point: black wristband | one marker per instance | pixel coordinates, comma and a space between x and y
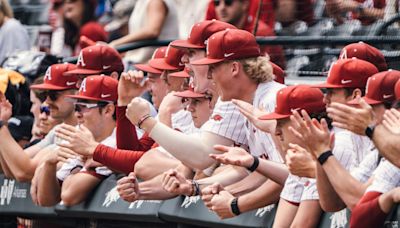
235, 207
324, 156
369, 131
255, 164
196, 188
145, 117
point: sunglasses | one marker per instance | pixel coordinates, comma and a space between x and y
82, 107
45, 109
227, 2
53, 95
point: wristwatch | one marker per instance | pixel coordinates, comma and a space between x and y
369, 131
235, 207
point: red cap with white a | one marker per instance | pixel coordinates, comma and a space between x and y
98, 88
296, 98
230, 44
54, 79
159, 53
365, 52
200, 32
171, 60
97, 59
348, 73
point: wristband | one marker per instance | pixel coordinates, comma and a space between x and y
369, 131
2, 123
255, 164
324, 156
145, 117
235, 207
196, 188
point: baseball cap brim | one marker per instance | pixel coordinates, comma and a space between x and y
189, 94
180, 74
48, 87
161, 64
273, 116
86, 98
206, 61
328, 86
147, 68
185, 44
82, 72
366, 99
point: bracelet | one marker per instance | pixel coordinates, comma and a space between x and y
369, 131
235, 207
255, 164
196, 188
145, 117
324, 156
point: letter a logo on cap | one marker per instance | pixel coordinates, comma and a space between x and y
47, 76
80, 61
83, 86
344, 54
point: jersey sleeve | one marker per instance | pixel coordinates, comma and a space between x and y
386, 178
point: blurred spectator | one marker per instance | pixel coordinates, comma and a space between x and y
236, 12
267, 12
56, 22
118, 26
367, 11
190, 13
20, 128
79, 20
36, 99
151, 19
289, 11
13, 36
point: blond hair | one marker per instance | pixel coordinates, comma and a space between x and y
258, 69
6, 9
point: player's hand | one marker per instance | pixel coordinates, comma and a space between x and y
34, 181
208, 193
5, 108
391, 121
78, 139
221, 204
136, 109
131, 84
128, 188
315, 135
233, 156
171, 104
90, 164
175, 183
252, 114
300, 162
355, 119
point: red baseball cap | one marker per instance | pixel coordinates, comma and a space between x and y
230, 44
158, 54
171, 60
279, 73
98, 88
200, 32
397, 90
365, 52
97, 59
181, 74
190, 94
296, 97
380, 88
54, 80
348, 73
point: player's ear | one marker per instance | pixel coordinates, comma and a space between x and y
235, 68
356, 92
114, 75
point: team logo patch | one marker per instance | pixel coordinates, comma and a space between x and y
217, 117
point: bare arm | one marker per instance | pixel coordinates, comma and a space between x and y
266, 194
387, 144
156, 13
229, 175
48, 187
247, 184
77, 187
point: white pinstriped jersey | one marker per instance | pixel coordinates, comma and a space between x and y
227, 121
261, 143
293, 188
386, 178
182, 121
363, 146
344, 147
367, 167
310, 190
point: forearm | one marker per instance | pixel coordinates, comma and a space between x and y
328, 198
345, 185
182, 146
20, 166
165, 117
153, 190
4, 168
230, 175
48, 187
373, 13
266, 194
143, 34
117, 159
247, 184
277, 172
386, 200
387, 144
